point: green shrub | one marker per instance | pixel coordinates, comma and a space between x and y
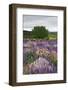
30, 57
53, 58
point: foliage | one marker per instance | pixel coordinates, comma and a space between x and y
40, 32
53, 58
30, 57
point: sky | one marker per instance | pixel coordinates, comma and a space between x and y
50, 22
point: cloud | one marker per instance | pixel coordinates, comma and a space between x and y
50, 22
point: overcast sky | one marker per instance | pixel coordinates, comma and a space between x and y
50, 22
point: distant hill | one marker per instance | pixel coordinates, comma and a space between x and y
55, 33
52, 35
28, 34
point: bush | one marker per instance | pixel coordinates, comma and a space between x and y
53, 58
30, 57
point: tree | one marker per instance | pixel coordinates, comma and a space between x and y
40, 32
